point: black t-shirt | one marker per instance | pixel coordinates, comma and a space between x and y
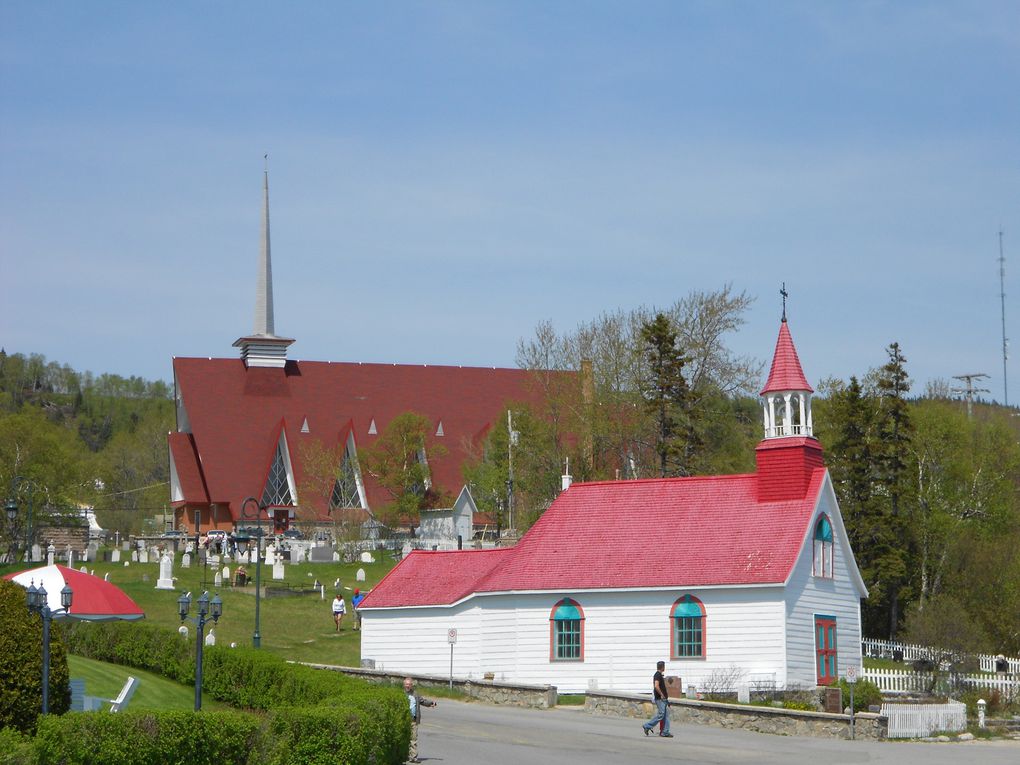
659, 685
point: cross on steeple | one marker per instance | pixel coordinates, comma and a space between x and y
785, 295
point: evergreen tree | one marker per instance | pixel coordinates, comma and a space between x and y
892, 458
667, 397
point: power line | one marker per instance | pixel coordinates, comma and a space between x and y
970, 390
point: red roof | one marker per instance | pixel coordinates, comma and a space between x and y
786, 373
428, 578
672, 532
236, 414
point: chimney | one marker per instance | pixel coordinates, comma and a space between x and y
566, 478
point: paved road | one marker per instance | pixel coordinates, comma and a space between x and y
459, 733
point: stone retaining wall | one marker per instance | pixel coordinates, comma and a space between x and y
787, 722
513, 694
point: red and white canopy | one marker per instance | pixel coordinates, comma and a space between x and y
94, 599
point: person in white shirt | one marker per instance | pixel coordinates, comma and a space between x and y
339, 609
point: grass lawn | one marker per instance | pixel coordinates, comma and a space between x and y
153, 691
299, 628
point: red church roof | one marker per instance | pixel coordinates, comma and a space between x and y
672, 532
786, 373
235, 415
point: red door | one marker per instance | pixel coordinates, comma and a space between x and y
825, 650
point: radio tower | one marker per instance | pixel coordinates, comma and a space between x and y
1002, 298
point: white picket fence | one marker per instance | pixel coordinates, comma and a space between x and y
897, 681
886, 649
919, 720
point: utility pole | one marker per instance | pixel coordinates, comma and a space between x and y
1002, 299
969, 391
512, 437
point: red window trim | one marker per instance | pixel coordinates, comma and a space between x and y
552, 631
672, 630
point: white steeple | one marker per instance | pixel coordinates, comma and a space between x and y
263, 348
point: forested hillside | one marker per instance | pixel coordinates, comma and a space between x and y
83, 440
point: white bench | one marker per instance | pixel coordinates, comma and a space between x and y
94, 703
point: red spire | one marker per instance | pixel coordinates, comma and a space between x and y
786, 373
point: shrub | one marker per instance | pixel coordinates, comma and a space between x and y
866, 694
143, 738
21, 663
16, 748
133, 644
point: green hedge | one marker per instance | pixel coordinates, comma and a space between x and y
317, 715
144, 738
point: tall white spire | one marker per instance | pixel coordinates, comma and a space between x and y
264, 288
263, 348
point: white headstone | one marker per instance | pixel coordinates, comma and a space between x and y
115, 556
360, 576
226, 573
36, 553
127, 563
186, 560
166, 573
367, 557
93, 551
125, 545
134, 556
154, 556
183, 631
253, 557
70, 558
278, 568
51, 552
84, 569
336, 557
210, 639
218, 580
270, 552
106, 577
214, 560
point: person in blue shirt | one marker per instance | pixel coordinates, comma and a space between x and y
355, 602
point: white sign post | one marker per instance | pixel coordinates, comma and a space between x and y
851, 679
451, 638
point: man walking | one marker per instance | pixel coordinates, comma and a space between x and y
661, 702
416, 702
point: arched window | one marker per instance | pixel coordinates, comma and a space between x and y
823, 548
566, 631
687, 625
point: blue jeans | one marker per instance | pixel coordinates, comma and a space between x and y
661, 713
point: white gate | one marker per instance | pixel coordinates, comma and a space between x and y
919, 720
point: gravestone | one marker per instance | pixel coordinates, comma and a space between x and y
70, 558
218, 580
115, 556
183, 631
51, 553
297, 554
84, 569
125, 545
321, 555
367, 557
360, 576
134, 556
93, 551
278, 568
186, 560
36, 553
154, 556
336, 557
106, 577
253, 557
210, 639
166, 573
226, 574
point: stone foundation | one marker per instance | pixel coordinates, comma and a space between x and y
785, 722
512, 694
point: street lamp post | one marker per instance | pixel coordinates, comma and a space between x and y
205, 608
12, 509
37, 604
260, 509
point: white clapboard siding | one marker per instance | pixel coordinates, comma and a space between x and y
808, 596
919, 720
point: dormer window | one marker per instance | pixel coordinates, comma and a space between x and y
823, 547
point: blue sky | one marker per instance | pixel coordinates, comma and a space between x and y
445, 175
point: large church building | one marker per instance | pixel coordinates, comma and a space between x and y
247, 425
